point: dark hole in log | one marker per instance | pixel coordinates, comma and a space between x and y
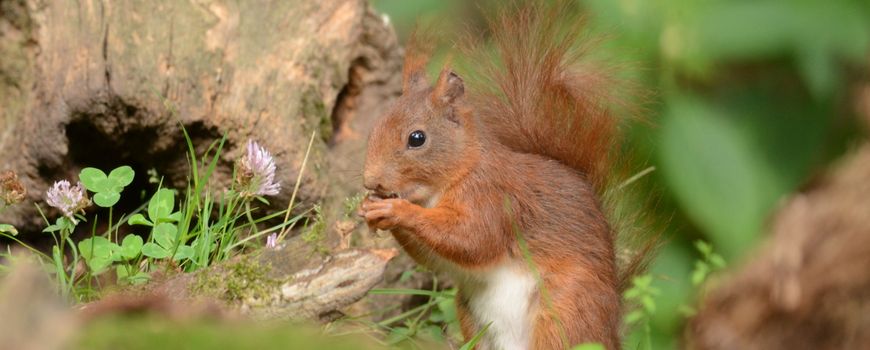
109, 135
346, 101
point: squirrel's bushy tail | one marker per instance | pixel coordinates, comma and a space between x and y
545, 92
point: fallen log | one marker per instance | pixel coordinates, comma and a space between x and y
293, 281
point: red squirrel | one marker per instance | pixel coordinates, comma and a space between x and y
499, 186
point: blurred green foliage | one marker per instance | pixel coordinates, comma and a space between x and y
158, 332
750, 100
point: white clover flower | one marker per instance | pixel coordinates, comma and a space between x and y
69, 199
272, 240
256, 172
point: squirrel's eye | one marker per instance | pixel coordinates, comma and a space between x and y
416, 139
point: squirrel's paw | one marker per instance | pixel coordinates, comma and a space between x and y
386, 214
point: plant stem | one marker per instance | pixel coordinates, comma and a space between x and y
34, 250
296, 187
250, 218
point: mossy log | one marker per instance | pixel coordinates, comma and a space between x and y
294, 281
108, 83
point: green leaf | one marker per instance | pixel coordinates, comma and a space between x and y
152, 250
634, 316
649, 304
717, 261
476, 339
699, 273
124, 276
94, 179
139, 278
164, 234
99, 265
106, 199
122, 176
183, 252
138, 219
434, 331
97, 252
121, 272
398, 334
642, 281
131, 246
703, 247
8, 229
161, 204
52, 228
94, 246
115, 252
436, 316
65, 223
716, 173
448, 309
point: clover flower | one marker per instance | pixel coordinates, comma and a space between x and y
11, 189
69, 199
256, 172
272, 240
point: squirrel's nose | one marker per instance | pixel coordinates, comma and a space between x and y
372, 184
370, 180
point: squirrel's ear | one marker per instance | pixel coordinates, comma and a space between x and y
449, 88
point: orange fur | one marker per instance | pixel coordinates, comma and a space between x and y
516, 162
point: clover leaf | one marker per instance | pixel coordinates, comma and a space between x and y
106, 199
131, 246
160, 209
107, 188
123, 274
99, 253
164, 236
139, 219
161, 205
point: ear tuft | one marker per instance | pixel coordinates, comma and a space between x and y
449, 88
412, 81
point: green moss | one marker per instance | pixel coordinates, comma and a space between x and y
246, 279
315, 233
351, 204
314, 109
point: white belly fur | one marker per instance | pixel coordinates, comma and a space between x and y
501, 297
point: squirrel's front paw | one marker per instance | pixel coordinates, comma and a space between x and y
386, 214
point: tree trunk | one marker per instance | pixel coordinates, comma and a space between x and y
108, 83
